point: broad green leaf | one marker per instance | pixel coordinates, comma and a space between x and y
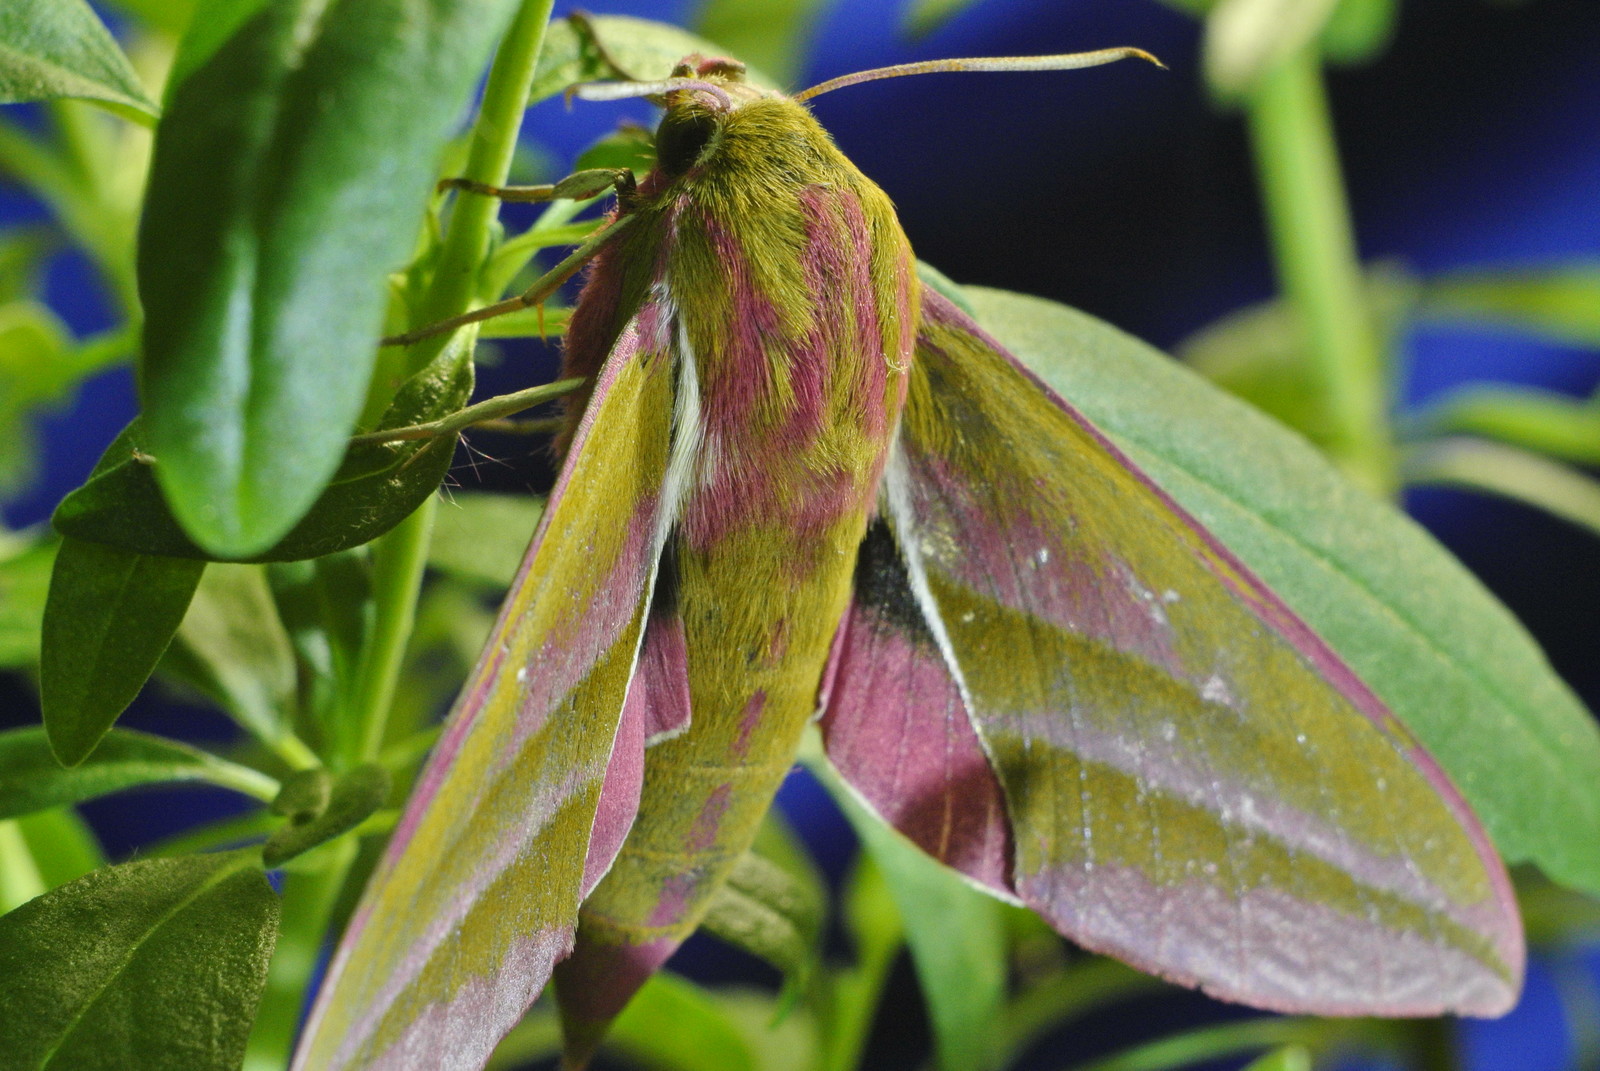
288, 178
42, 850
773, 35
1542, 421
377, 486
1509, 472
155, 965
24, 583
60, 48
212, 23
481, 537
1452, 663
629, 48
233, 648
773, 906
1560, 302
31, 779
956, 935
353, 799
108, 617
925, 16
1247, 38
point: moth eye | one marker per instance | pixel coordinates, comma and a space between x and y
681, 138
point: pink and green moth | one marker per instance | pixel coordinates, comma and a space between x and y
803, 484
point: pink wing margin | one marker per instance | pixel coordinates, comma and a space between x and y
1056, 681
535, 781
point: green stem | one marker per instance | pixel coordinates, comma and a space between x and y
1318, 270
398, 559
454, 288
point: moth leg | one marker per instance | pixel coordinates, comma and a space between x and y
540, 292
578, 186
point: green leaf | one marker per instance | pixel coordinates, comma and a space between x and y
232, 647
1542, 421
1359, 30
377, 486
673, 1025
353, 799
1288, 1058
169, 15
773, 35
956, 935
481, 537
773, 906
156, 965
209, 27
42, 850
1508, 472
34, 369
1449, 659
31, 779
628, 48
108, 617
1560, 302
1247, 38
59, 48
289, 177
924, 16
24, 584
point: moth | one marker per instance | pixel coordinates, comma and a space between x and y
802, 484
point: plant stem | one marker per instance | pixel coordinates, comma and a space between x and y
1318, 270
454, 288
397, 563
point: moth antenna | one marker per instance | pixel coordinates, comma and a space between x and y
1069, 61
628, 90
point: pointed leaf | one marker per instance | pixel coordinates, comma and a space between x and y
288, 178
60, 48
355, 797
156, 965
1545, 422
31, 779
1443, 654
109, 616
674, 1025
639, 48
1561, 302
1496, 469
233, 648
377, 485
773, 906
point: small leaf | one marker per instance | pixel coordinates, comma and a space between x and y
31, 779
59, 48
1560, 302
1508, 472
376, 487
169, 15
24, 585
1288, 1058
773, 35
1448, 659
354, 798
1247, 38
639, 48
289, 178
482, 537
772, 910
108, 617
1542, 421
304, 795
233, 648
956, 935
156, 965
34, 369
